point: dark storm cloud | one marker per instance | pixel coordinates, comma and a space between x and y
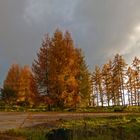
15, 35
23, 24
108, 27
100, 27
10, 21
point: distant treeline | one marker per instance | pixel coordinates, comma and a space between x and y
116, 83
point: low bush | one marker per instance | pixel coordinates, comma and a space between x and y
132, 109
60, 134
119, 108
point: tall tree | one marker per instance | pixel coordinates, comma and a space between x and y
136, 68
131, 86
40, 67
107, 81
97, 84
11, 83
58, 68
12, 78
85, 83
118, 71
27, 93
34, 96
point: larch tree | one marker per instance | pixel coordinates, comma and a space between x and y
97, 84
11, 83
12, 78
130, 86
34, 96
27, 93
69, 73
118, 72
85, 82
107, 81
56, 66
136, 68
40, 67
56, 71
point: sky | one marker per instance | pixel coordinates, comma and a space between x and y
101, 28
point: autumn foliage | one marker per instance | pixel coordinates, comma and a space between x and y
60, 78
19, 86
116, 83
58, 71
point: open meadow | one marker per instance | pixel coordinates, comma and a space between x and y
69, 126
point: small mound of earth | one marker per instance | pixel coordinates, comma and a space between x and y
133, 120
49, 124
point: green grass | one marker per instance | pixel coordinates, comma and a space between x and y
97, 128
28, 133
44, 108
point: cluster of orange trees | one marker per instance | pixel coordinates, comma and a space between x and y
19, 86
59, 77
117, 83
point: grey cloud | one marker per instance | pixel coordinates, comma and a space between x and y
106, 27
23, 24
100, 27
49, 12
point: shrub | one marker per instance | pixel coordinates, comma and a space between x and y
119, 109
132, 109
59, 134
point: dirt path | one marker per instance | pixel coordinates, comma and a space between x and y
9, 120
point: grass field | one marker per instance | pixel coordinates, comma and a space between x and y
124, 127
